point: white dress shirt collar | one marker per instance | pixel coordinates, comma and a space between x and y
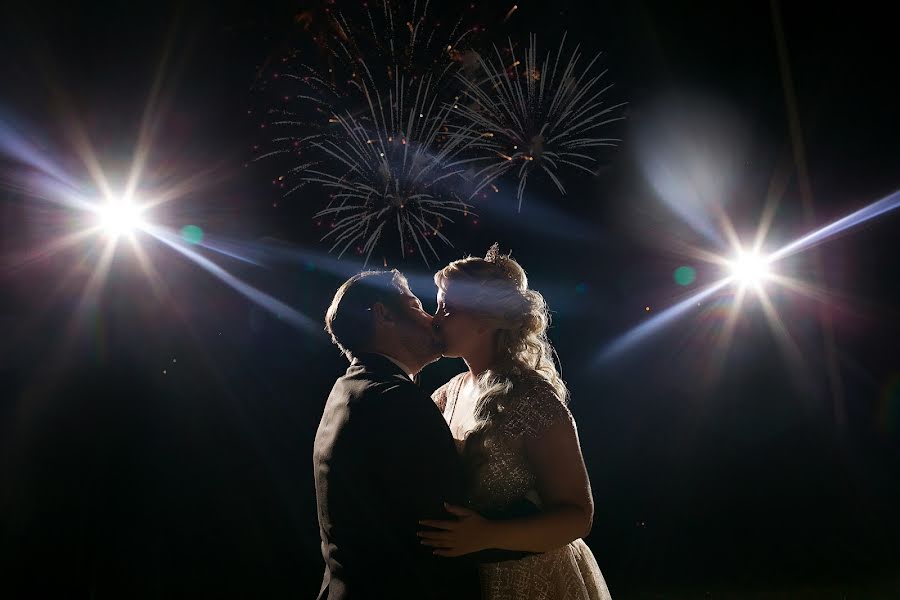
406, 369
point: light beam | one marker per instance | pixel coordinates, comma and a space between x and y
274, 306
664, 318
818, 236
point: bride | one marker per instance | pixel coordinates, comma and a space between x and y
516, 436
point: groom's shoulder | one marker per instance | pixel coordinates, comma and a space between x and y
396, 392
364, 390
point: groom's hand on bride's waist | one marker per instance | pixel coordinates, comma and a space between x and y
468, 534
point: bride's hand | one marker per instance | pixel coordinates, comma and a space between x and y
469, 533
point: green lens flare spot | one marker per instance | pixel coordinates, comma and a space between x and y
192, 234
685, 275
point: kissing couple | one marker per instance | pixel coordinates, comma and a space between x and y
479, 491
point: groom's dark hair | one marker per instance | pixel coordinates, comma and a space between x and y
350, 321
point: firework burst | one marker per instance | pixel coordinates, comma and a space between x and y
394, 166
373, 131
535, 115
393, 43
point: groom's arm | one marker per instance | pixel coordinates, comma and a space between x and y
425, 470
439, 476
416, 474
420, 459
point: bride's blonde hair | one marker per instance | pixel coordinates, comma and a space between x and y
495, 288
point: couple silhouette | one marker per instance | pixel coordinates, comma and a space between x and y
480, 490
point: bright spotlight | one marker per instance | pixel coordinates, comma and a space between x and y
749, 268
119, 217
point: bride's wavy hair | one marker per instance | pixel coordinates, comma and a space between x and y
495, 288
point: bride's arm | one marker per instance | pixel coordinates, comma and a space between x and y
565, 491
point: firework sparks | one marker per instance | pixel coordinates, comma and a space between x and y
541, 116
378, 140
391, 169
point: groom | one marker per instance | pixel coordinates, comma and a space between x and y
384, 457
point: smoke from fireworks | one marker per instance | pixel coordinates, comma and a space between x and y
535, 116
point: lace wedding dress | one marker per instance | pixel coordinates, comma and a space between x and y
566, 573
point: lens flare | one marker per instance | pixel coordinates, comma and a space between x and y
685, 275
120, 217
750, 268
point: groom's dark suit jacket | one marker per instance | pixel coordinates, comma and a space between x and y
383, 459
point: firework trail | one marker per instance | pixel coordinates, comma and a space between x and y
536, 116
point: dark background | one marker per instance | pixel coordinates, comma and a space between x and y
156, 441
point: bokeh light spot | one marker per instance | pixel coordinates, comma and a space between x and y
685, 275
192, 234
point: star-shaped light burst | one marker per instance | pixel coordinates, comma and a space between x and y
121, 216
750, 269
98, 217
692, 157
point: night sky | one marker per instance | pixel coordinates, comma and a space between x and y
156, 437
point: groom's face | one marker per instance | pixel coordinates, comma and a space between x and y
415, 330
